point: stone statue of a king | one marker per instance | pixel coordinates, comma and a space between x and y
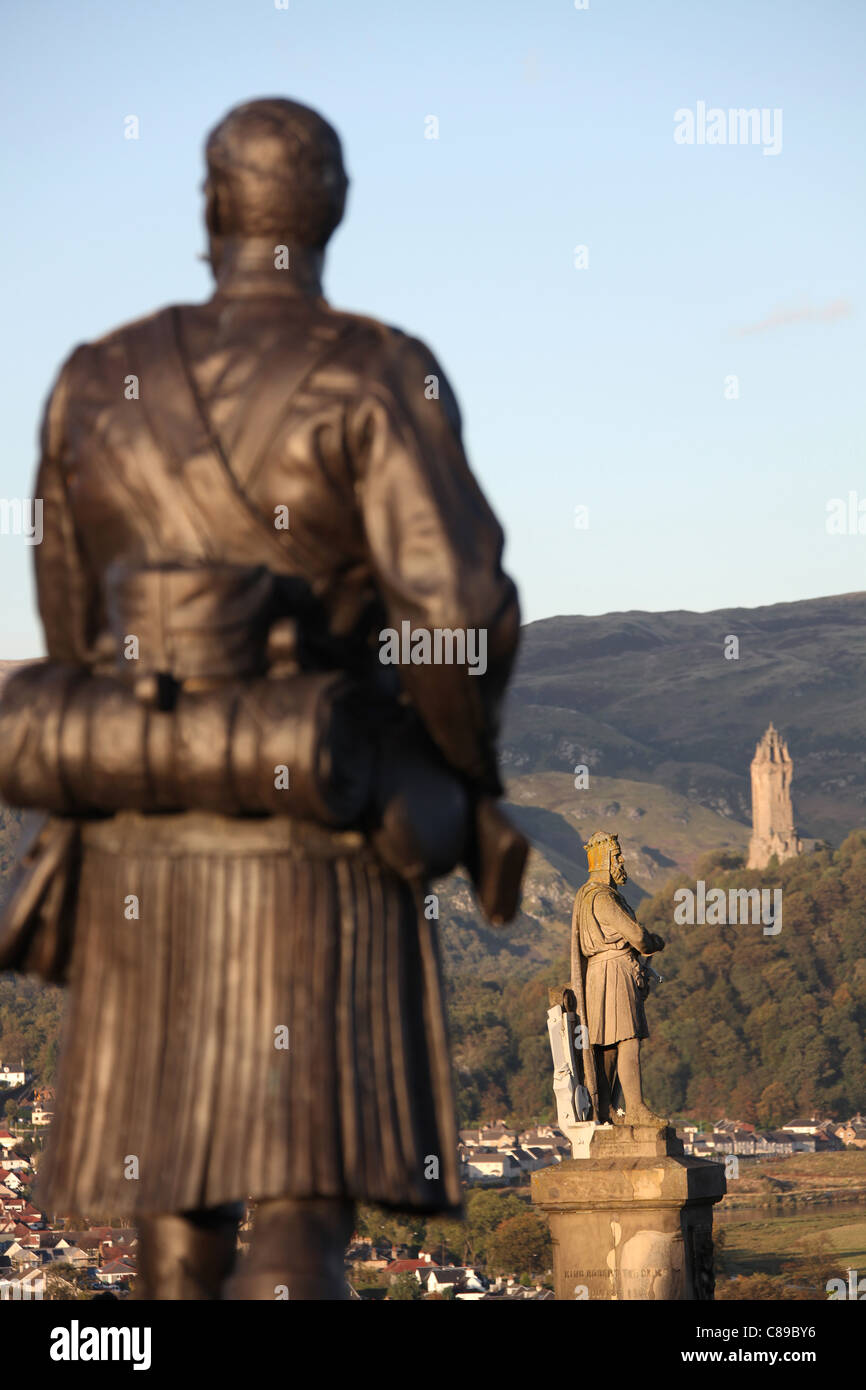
610, 983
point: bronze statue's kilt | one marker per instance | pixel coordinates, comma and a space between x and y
174, 1092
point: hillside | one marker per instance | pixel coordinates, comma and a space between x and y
649, 697
660, 831
761, 1026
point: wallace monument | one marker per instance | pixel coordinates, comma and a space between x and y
772, 813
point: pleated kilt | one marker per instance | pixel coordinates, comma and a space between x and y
614, 1004
255, 1009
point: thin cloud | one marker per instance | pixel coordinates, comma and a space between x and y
809, 313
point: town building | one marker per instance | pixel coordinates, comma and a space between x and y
11, 1075
852, 1133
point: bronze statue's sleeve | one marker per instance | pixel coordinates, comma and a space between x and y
62, 589
436, 547
614, 921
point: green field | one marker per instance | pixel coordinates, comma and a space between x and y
789, 1255
765, 1246
788, 1225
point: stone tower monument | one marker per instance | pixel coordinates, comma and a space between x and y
772, 813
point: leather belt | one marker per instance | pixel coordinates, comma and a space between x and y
203, 832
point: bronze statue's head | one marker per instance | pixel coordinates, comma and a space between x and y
603, 855
275, 169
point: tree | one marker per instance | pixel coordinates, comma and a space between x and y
744, 1100
775, 1105
399, 1228
65, 1282
445, 1239
14, 1041
484, 1212
405, 1287
521, 1244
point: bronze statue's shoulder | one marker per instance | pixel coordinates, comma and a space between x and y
81, 362
365, 332
390, 360
135, 327
394, 344
95, 355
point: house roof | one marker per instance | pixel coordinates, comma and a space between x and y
446, 1274
113, 1252
121, 1266
95, 1236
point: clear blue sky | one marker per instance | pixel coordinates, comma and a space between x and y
601, 387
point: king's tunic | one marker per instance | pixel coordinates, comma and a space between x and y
614, 982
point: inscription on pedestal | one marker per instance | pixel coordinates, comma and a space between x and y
631, 1221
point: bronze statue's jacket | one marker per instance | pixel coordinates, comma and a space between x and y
367, 461
255, 1001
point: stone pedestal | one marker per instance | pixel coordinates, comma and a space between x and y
634, 1219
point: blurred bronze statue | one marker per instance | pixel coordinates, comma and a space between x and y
238, 802
610, 984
